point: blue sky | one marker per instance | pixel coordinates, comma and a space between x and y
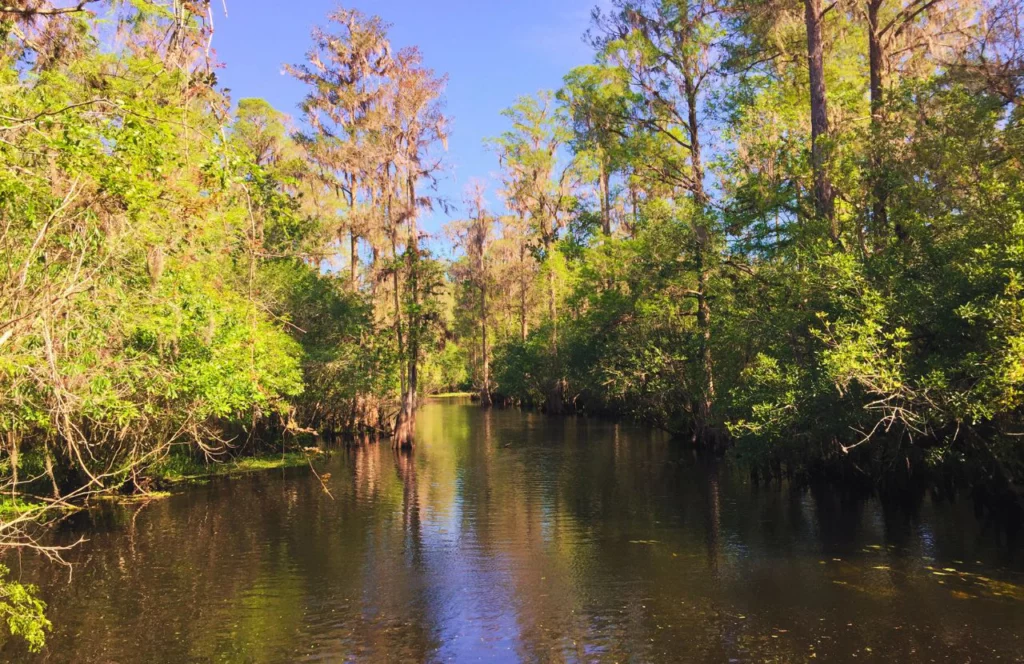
492, 51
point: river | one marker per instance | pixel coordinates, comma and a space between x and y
512, 536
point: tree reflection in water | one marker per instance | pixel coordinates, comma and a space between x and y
514, 536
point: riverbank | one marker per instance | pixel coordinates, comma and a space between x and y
182, 469
888, 467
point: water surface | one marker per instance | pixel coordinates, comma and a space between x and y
512, 536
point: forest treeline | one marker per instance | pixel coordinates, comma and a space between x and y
792, 229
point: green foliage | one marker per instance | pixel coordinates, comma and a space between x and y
447, 370
524, 370
165, 279
883, 341
180, 466
22, 611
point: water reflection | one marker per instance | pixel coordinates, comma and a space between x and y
510, 536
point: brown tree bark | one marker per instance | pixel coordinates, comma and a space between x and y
556, 395
606, 204
354, 263
406, 423
704, 248
824, 197
879, 213
482, 225
485, 390
524, 286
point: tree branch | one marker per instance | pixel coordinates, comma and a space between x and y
27, 12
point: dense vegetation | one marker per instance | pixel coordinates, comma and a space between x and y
790, 229
170, 289
786, 228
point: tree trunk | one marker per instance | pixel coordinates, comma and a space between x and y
373, 274
402, 430
555, 399
48, 461
354, 263
406, 424
824, 197
482, 228
636, 211
552, 293
707, 365
12, 451
523, 288
878, 211
876, 60
353, 237
603, 185
485, 390
704, 248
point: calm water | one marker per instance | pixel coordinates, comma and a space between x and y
516, 537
